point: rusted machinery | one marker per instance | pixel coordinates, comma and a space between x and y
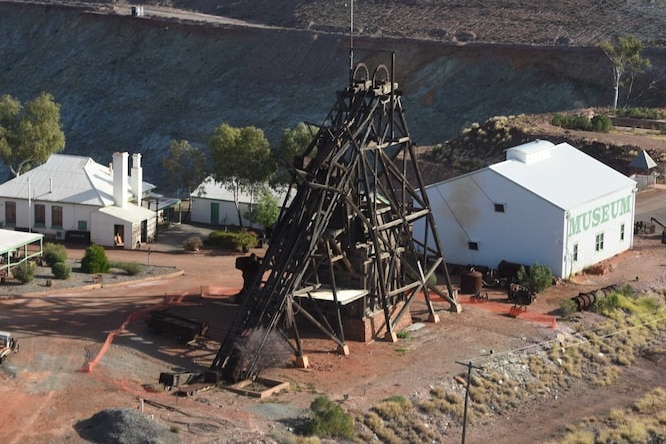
586, 300
520, 295
345, 245
177, 327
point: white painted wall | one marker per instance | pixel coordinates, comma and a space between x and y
71, 215
530, 229
611, 215
103, 232
228, 215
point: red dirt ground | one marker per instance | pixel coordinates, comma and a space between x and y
45, 392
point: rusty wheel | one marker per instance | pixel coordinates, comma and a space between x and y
361, 73
380, 76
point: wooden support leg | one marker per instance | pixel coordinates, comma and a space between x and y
302, 362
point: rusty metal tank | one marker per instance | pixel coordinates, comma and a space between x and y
471, 282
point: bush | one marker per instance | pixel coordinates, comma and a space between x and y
193, 243
52, 253
537, 279
61, 270
568, 307
641, 113
24, 272
131, 268
329, 420
601, 124
234, 240
266, 211
245, 240
222, 239
95, 260
598, 123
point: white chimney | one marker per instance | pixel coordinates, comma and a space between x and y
136, 178
120, 192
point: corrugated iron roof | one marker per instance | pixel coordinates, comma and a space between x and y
210, 189
560, 174
65, 178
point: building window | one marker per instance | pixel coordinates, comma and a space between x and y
599, 242
473, 245
622, 232
83, 225
56, 217
10, 213
40, 215
575, 252
499, 208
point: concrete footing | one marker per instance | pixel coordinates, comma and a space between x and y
343, 350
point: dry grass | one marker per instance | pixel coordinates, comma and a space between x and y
644, 422
596, 356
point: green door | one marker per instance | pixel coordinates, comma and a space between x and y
214, 213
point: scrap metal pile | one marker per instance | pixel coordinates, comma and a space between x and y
346, 240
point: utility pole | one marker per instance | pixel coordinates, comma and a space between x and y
29, 212
469, 377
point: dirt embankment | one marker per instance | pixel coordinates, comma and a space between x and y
136, 83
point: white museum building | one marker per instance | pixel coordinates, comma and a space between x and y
547, 204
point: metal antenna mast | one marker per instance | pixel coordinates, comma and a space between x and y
351, 44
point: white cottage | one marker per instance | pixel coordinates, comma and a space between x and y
213, 203
73, 197
547, 204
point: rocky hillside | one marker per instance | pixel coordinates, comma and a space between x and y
135, 83
558, 22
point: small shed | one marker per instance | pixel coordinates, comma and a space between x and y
644, 170
127, 228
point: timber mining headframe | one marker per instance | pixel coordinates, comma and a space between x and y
344, 256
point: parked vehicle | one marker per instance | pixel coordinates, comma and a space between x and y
8, 345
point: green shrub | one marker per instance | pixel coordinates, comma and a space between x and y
234, 240
559, 120
61, 270
95, 260
222, 239
605, 304
52, 253
24, 272
641, 113
329, 420
537, 279
568, 307
598, 123
131, 268
245, 240
601, 124
193, 243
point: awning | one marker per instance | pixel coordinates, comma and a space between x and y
130, 213
11, 240
157, 203
18, 242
